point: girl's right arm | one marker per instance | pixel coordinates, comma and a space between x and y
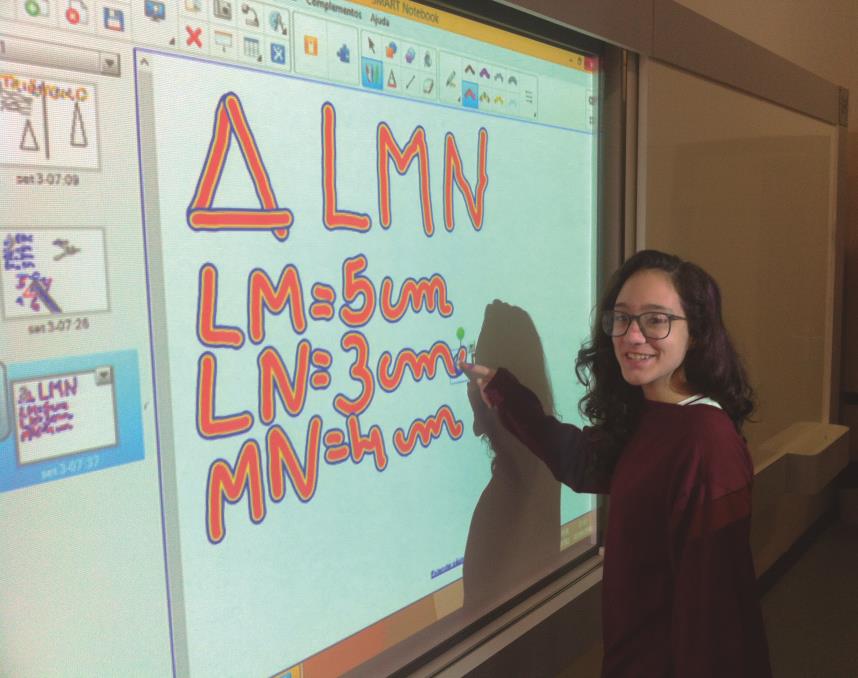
568, 451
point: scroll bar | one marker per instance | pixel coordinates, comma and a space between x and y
5, 405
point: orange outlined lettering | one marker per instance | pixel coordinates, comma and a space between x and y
262, 293
208, 425
360, 372
474, 200
371, 443
230, 121
228, 483
273, 374
321, 360
208, 332
355, 284
427, 430
303, 477
428, 293
336, 451
387, 150
422, 364
322, 307
335, 218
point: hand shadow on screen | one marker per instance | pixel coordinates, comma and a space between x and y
515, 529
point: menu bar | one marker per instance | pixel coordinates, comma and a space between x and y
337, 42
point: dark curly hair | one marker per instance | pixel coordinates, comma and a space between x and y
712, 366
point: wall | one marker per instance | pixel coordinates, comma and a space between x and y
821, 37
744, 188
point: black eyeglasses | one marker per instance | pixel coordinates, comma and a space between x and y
652, 324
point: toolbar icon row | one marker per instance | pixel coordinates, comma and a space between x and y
246, 47
99, 16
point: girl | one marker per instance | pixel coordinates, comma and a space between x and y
666, 396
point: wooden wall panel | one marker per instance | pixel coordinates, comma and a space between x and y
744, 187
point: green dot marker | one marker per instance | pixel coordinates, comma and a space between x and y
32, 8
460, 333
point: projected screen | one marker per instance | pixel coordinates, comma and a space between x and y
245, 245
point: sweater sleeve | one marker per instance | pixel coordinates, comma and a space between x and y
717, 627
568, 451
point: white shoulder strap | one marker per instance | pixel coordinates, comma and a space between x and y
700, 400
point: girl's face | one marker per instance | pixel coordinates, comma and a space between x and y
653, 364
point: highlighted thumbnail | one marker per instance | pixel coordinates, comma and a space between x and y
65, 417
53, 272
64, 414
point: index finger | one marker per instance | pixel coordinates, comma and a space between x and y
475, 371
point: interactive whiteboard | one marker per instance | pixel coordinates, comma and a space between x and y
287, 224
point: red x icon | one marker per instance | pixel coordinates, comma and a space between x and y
194, 36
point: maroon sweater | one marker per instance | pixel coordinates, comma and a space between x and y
679, 597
